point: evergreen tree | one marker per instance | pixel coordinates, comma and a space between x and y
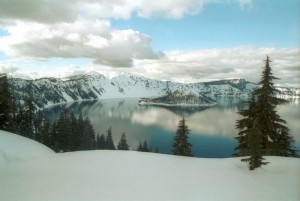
145, 147
157, 150
244, 125
101, 144
64, 131
53, 141
181, 145
122, 145
5, 103
109, 143
28, 117
75, 135
88, 137
79, 132
37, 126
140, 148
275, 138
254, 148
46, 132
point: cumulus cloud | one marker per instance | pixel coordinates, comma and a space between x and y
42, 11
215, 64
13, 71
199, 66
8, 69
81, 39
81, 28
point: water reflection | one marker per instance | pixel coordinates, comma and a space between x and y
213, 121
212, 129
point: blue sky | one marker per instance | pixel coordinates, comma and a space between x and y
267, 23
178, 40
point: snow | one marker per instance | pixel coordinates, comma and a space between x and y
67, 97
129, 175
96, 86
15, 148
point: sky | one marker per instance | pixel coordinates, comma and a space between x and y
176, 40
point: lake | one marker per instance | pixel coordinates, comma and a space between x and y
212, 129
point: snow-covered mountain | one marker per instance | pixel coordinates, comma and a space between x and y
48, 91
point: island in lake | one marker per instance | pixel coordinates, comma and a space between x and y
179, 99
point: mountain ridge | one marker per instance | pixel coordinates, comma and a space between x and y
91, 86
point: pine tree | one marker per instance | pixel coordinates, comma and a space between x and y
28, 119
79, 132
41, 127
5, 103
101, 144
64, 130
276, 140
122, 145
140, 148
18, 120
53, 138
181, 145
254, 149
244, 125
88, 137
157, 150
74, 137
46, 133
145, 147
109, 141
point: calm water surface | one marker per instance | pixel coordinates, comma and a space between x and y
212, 129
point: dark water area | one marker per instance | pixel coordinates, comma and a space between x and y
212, 129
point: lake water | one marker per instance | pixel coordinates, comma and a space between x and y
212, 129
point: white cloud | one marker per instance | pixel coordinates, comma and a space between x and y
215, 64
83, 38
80, 28
55, 11
196, 66
8, 69
245, 4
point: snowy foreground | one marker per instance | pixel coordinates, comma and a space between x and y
30, 171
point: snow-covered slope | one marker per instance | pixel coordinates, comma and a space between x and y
14, 148
48, 91
179, 98
135, 176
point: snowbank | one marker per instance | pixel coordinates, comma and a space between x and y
15, 148
135, 176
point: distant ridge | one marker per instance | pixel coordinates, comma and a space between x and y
91, 86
